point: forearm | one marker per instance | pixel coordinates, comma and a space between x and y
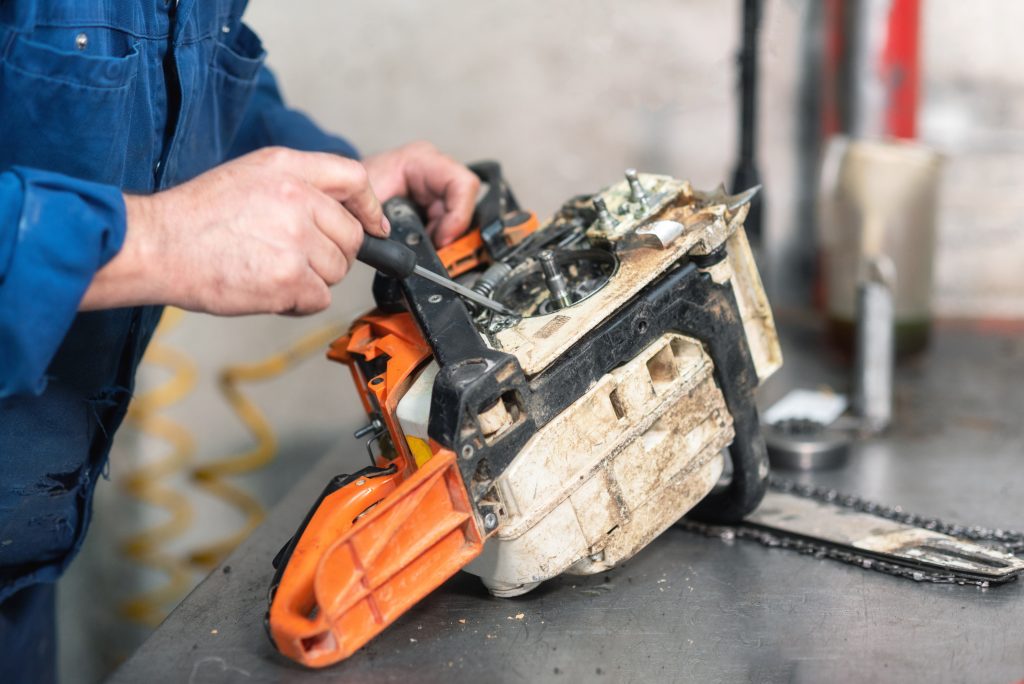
269, 232
134, 276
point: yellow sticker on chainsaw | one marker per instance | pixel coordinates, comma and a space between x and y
420, 450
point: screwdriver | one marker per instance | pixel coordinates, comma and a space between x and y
398, 261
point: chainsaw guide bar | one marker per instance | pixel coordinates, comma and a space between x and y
823, 523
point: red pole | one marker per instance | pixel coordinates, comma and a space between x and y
899, 68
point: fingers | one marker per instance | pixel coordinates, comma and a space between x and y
435, 212
313, 297
459, 200
325, 258
433, 177
338, 237
295, 288
343, 179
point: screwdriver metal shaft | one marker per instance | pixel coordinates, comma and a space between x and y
398, 261
463, 291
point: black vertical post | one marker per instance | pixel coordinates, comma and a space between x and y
746, 175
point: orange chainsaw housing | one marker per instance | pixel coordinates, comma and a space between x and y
378, 544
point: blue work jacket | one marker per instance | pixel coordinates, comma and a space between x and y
99, 97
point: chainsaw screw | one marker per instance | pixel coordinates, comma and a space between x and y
637, 193
555, 280
377, 380
468, 451
374, 426
360, 482
435, 299
412, 239
604, 216
490, 521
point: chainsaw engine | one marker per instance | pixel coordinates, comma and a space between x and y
563, 439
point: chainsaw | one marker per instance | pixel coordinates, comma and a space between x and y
590, 382
560, 435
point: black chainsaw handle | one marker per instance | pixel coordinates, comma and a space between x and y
749, 481
407, 232
498, 199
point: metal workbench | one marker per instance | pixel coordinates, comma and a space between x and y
689, 608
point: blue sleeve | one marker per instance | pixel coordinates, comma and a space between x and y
55, 233
268, 121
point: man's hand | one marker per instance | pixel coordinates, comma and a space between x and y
445, 188
266, 233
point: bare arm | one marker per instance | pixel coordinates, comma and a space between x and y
269, 232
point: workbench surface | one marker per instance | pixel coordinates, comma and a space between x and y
689, 608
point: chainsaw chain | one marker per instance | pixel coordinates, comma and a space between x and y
1009, 541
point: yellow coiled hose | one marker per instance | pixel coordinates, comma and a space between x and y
211, 476
148, 484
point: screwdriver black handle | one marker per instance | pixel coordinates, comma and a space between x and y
387, 256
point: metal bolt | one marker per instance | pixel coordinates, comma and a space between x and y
603, 215
412, 239
490, 521
374, 426
81, 41
435, 299
468, 451
360, 482
637, 193
555, 280
377, 380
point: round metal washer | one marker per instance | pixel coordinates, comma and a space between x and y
800, 444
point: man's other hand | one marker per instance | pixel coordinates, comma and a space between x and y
444, 188
269, 232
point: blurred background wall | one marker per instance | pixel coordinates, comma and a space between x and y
566, 95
